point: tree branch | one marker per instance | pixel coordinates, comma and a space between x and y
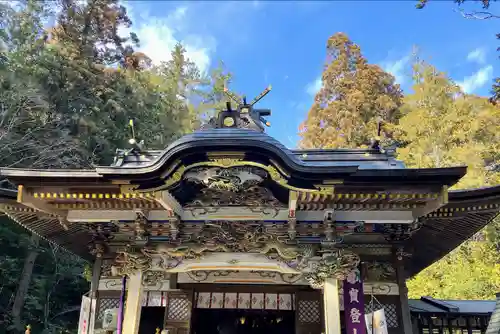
477, 15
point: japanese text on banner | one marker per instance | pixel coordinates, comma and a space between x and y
354, 303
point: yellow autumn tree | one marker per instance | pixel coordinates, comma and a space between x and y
354, 96
444, 127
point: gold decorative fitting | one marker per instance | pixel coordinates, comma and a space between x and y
93, 195
175, 177
226, 162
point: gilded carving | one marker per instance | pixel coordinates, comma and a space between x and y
335, 264
128, 262
235, 237
175, 177
234, 186
228, 163
231, 179
153, 277
380, 272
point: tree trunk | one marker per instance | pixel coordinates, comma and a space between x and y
24, 283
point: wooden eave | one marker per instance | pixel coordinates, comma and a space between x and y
467, 212
74, 238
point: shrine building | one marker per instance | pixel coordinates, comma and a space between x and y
228, 228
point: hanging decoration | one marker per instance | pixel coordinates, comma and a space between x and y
354, 304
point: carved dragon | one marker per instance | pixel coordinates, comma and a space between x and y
336, 264
128, 262
229, 186
234, 237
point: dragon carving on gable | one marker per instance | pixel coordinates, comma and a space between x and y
232, 186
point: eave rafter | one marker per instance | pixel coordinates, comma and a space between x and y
27, 199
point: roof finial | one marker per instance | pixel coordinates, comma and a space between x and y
244, 117
375, 142
136, 146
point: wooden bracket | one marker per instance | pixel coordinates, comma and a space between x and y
169, 203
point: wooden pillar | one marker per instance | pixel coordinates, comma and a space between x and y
94, 284
172, 281
331, 303
403, 299
469, 325
449, 321
133, 304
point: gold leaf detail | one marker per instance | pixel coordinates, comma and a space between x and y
226, 162
175, 177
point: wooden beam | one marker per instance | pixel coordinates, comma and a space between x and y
169, 203
432, 206
244, 214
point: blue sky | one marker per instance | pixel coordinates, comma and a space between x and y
283, 44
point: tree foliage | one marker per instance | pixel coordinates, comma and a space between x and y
67, 93
443, 127
433, 125
354, 97
472, 271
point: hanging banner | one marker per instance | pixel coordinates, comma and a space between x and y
354, 303
83, 324
376, 323
93, 311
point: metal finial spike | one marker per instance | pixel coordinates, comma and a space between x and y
231, 96
244, 100
261, 95
131, 124
379, 126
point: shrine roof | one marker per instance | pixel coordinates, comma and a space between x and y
353, 166
494, 325
431, 305
465, 214
240, 138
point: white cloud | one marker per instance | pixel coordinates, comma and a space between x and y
159, 35
314, 87
396, 68
478, 55
477, 80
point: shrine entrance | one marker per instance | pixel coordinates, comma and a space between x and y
234, 321
152, 317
